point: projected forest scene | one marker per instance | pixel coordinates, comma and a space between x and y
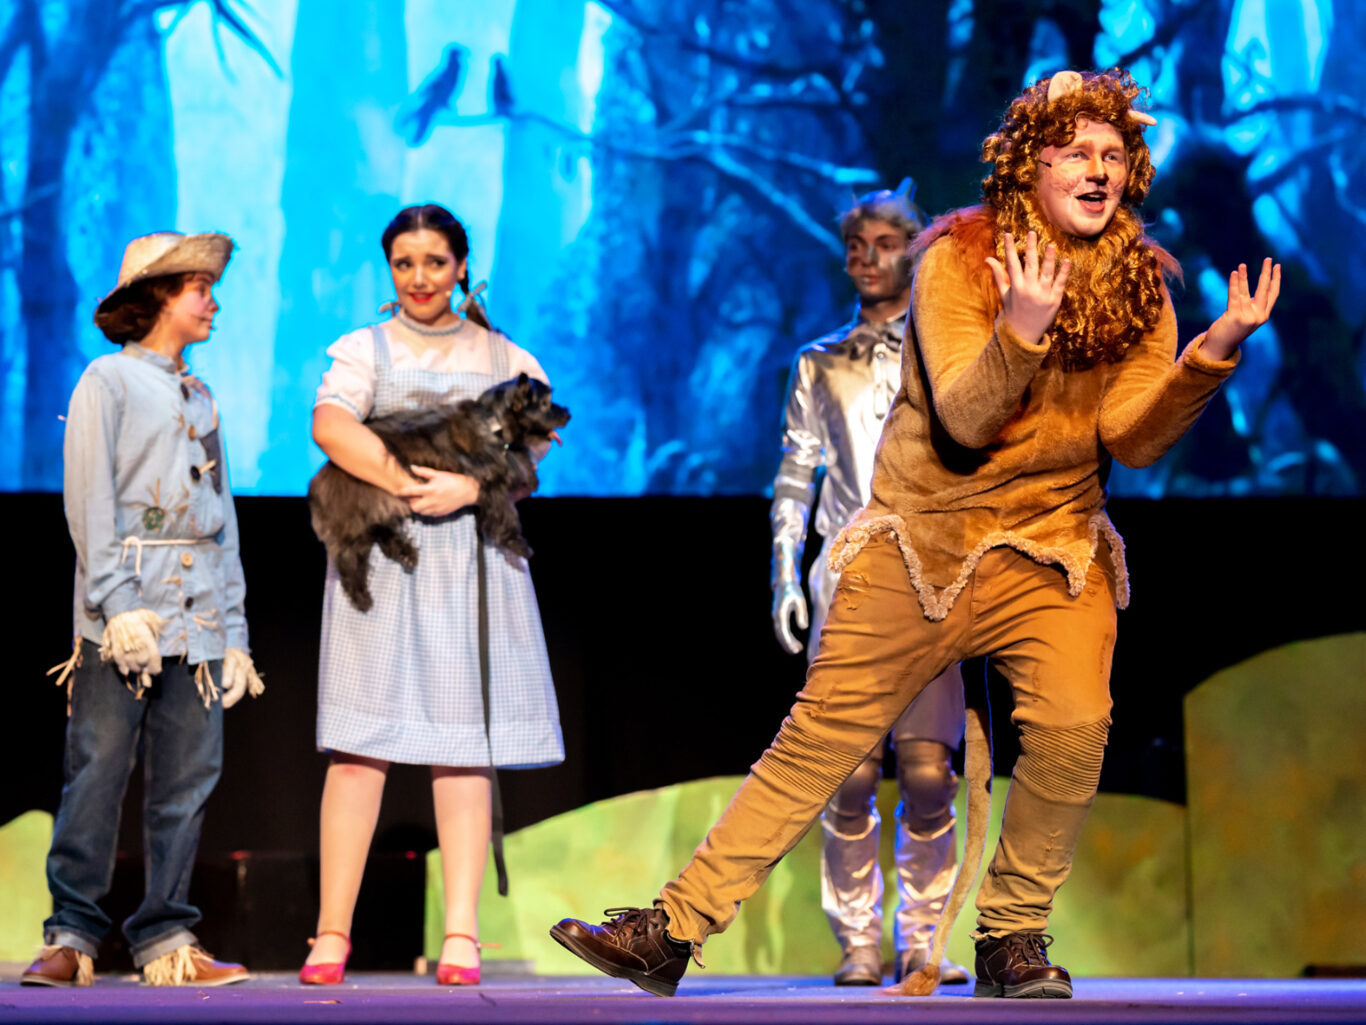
651, 191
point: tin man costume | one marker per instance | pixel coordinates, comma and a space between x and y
839, 393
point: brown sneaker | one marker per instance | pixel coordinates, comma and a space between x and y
192, 966
634, 946
1017, 965
860, 966
59, 966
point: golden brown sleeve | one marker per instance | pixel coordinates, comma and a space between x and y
978, 368
1151, 401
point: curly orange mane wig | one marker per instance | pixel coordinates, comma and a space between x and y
1033, 122
1116, 291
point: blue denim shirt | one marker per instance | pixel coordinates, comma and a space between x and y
148, 505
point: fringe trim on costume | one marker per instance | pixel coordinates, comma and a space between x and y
851, 540
1100, 525
173, 969
203, 681
85, 964
68, 670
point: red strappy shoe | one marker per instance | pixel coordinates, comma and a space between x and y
332, 973
459, 975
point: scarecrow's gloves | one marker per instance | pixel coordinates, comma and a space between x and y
130, 642
787, 595
239, 677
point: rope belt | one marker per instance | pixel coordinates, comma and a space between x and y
141, 542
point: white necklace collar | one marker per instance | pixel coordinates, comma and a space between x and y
431, 332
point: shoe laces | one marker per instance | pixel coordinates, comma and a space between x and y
627, 922
1031, 946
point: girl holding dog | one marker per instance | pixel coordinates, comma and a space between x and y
402, 682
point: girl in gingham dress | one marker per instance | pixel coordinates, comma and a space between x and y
401, 682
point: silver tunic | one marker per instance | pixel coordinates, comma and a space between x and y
841, 388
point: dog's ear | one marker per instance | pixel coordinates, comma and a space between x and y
521, 392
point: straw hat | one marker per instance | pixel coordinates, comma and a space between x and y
169, 252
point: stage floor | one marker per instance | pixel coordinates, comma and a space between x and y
743, 1000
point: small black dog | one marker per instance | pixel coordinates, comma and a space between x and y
486, 438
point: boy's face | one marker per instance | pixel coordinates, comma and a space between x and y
189, 316
876, 259
1080, 184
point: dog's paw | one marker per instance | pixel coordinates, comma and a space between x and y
401, 551
360, 598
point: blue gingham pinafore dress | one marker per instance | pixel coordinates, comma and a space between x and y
401, 682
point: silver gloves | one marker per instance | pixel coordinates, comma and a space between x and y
788, 598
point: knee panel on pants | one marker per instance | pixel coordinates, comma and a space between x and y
1062, 764
928, 784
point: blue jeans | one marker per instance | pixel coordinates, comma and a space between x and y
182, 749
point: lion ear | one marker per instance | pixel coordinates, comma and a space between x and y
1062, 83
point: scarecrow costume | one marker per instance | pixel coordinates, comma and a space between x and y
160, 637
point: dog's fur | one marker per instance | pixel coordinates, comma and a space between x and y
487, 438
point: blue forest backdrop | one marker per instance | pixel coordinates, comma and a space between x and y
651, 190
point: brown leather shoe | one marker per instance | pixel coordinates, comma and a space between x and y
192, 966
208, 972
860, 966
1017, 965
59, 966
634, 946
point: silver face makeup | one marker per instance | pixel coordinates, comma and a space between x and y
876, 260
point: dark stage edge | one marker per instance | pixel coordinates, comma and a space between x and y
741, 1000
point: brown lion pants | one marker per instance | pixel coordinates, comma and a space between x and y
877, 652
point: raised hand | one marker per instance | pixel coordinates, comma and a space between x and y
1032, 293
1245, 313
439, 492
